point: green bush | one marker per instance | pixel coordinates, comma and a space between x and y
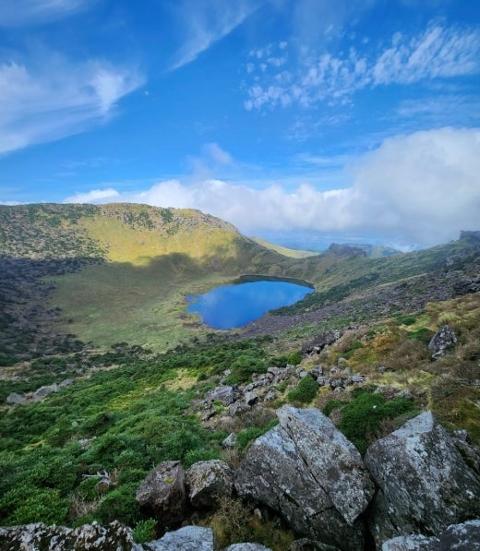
363, 416
406, 319
305, 391
144, 530
28, 504
331, 405
244, 367
421, 334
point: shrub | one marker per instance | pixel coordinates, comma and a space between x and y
244, 367
405, 319
305, 391
363, 416
332, 405
144, 530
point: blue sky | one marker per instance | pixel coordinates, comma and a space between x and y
356, 118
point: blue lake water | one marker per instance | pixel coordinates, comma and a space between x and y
235, 305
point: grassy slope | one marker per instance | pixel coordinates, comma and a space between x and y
285, 251
156, 257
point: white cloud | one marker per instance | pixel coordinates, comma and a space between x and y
437, 53
420, 188
94, 196
46, 101
15, 13
206, 22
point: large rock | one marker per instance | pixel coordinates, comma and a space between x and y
39, 537
225, 394
443, 340
307, 471
461, 537
207, 481
163, 492
189, 538
424, 482
14, 399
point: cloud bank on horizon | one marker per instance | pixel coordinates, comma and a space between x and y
421, 188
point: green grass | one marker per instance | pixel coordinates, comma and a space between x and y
133, 417
304, 392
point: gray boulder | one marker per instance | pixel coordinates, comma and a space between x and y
230, 441
163, 492
14, 399
443, 340
424, 483
307, 471
44, 391
188, 538
207, 481
461, 537
247, 547
40, 537
224, 394
413, 542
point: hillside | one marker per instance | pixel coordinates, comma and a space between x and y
103, 375
285, 251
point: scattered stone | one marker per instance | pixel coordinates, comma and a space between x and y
224, 394
14, 399
188, 538
207, 481
424, 483
163, 492
461, 537
307, 471
230, 441
443, 340
413, 542
316, 345
251, 397
470, 453
36, 537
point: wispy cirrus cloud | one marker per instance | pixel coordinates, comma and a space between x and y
52, 98
29, 12
205, 22
439, 52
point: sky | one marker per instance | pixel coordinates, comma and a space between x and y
301, 120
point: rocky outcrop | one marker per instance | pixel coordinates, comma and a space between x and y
461, 537
316, 345
443, 341
94, 537
38, 395
424, 482
188, 538
207, 481
262, 389
163, 492
308, 472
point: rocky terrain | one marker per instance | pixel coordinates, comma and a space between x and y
416, 489
347, 421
